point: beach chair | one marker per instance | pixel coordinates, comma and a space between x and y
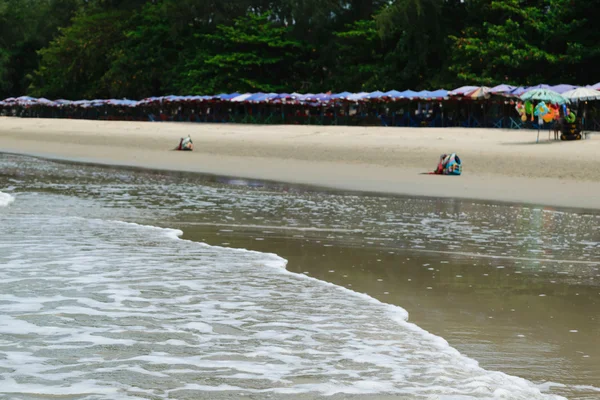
515, 123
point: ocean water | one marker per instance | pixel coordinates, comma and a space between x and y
100, 299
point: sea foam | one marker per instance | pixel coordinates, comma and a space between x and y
5, 199
90, 305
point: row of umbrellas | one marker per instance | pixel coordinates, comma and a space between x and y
557, 94
570, 96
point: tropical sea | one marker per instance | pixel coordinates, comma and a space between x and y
131, 284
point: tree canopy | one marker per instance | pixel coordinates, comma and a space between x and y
139, 48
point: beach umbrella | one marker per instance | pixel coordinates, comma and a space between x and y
596, 86
280, 97
303, 98
438, 94
545, 95
26, 98
256, 97
482, 92
293, 98
582, 94
429, 95
343, 95
227, 96
562, 88
358, 96
270, 97
45, 102
519, 91
423, 94
393, 94
317, 98
408, 94
375, 95
462, 91
502, 89
241, 97
540, 86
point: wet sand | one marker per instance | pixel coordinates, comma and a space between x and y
499, 165
509, 315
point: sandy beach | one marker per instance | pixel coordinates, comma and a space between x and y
513, 287
499, 165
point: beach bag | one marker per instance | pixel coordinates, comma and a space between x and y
449, 164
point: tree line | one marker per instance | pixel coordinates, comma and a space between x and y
78, 49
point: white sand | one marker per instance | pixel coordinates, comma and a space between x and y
499, 165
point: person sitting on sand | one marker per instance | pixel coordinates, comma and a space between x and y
185, 144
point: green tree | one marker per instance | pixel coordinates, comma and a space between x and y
75, 63
252, 54
25, 27
358, 52
143, 63
520, 43
414, 34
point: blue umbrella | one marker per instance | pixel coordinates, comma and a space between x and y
375, 95
342, 95
393, 94
502, 89
408, 94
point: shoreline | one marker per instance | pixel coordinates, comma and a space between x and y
499, 166
484, 330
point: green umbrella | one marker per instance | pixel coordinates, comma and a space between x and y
547, 95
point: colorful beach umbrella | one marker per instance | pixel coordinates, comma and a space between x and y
546, 95
461, 91
482, 92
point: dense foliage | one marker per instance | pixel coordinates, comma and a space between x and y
139, 48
